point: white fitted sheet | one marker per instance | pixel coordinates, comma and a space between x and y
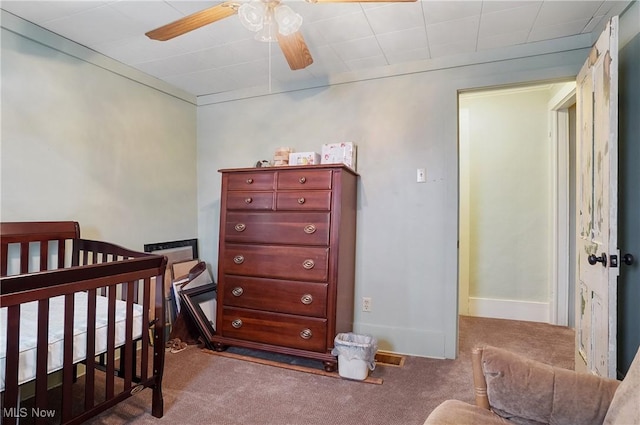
29, 333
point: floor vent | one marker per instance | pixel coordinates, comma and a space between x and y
384, 358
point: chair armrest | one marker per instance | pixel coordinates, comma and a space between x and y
525, 390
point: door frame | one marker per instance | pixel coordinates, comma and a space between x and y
559, 132
559, 211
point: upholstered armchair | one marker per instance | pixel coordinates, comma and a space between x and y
512, 389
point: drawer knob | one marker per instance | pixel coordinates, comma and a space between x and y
302, 180
237, 323
240, 227
301, 201
238, 259
308, 264
306, 299
237, 291
248, 200
309, 229
306, 334
249, 180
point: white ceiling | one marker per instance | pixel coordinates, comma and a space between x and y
341, 37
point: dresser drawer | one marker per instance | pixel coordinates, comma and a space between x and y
281, 262
251, 181
281, 296
273, 328
241, 200
278, 228
300, 200
304, 179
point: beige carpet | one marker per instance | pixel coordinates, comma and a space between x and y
200, 388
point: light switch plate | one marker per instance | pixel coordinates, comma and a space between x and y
421, 175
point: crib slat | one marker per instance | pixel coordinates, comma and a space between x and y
4, 258
44, 255
129, 358
41, 357
89, 390
136, 290
111, 341
11, 373
67, 362
24, 257
61, 253
103, 291
75, 252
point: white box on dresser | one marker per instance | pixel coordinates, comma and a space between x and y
339, 153
304, 158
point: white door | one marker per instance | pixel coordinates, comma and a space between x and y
597, 188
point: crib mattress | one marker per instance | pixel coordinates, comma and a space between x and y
29, 333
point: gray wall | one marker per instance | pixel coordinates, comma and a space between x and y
407, 232
81, 142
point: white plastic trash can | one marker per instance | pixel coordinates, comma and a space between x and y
356, 355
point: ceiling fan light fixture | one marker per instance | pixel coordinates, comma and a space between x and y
252, 15
288, 21
267, 33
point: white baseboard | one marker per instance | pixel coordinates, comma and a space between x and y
530, 311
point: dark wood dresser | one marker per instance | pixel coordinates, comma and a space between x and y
286, 265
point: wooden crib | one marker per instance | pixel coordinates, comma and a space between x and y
53, 286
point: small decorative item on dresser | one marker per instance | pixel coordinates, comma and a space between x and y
339, 153
281, 156
304, 158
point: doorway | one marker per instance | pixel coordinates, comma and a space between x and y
514, 202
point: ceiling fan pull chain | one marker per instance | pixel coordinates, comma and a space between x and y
269, 67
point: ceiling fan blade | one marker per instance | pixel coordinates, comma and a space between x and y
295, 50
194, 21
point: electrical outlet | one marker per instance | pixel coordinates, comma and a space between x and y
366, 303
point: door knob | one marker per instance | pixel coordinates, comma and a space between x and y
627, 259
602, 259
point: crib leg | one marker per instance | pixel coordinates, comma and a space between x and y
157, 406
157, 403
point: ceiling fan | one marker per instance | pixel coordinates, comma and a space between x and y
270, 19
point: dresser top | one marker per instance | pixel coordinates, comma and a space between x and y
290, 167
